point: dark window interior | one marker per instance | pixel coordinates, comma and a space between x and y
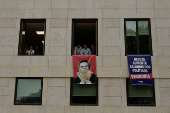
28, 91
84, 32
140, 95
138, 37
83, 94
30, 37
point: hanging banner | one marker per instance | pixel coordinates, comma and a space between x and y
140, 69
84, 69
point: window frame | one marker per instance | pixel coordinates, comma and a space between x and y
20, 33
71, 92
72, 33
137, 36
16, 85
127, 95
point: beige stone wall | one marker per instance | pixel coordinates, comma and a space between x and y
56, 65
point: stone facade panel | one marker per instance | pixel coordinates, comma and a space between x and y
57, 61
58, 23
56, 81
59, 51
110, 23
111, 61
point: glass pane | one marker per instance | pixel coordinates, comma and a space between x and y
131, 42
143, 28
28, 91
131, 45
144, 45
144, 41
84, 90
140, 91
131, 28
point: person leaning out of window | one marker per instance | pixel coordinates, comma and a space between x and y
30, 51
78, 49
85, 50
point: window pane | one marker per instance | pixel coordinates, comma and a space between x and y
140, 91
84, 90
131, 42
140, 95
144, 44
143, 27
131, 28
28, 91
131, 45
83, 94
144, 41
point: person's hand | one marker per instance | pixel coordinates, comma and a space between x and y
86, 74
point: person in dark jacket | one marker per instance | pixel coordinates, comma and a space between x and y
37, 51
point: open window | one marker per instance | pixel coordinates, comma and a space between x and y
32, 37
140, 95
84, 94
28, 91
85, 31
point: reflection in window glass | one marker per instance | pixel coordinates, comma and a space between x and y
138, 37
143, 27
130, 28
83, 94
144, 39
131, 37
140, 94
28, 91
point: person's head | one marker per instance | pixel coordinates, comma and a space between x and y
92, 46
85, 46
31, 47
36, 48
78, 45
83, 65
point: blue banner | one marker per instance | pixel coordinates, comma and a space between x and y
140, 69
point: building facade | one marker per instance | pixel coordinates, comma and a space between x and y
55, 66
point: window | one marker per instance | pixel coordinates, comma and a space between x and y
32, 37
28, 91
140, 95
138, 37
85, 31
84, 94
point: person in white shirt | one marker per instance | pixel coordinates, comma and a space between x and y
78, 49
85, 50
30, 51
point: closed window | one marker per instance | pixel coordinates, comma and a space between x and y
140, 95
28, 91
138, 37
83, 94
32, 37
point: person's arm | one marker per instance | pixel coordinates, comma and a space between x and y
32, 51
27, 52
89, 52
75, 51
81, 52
